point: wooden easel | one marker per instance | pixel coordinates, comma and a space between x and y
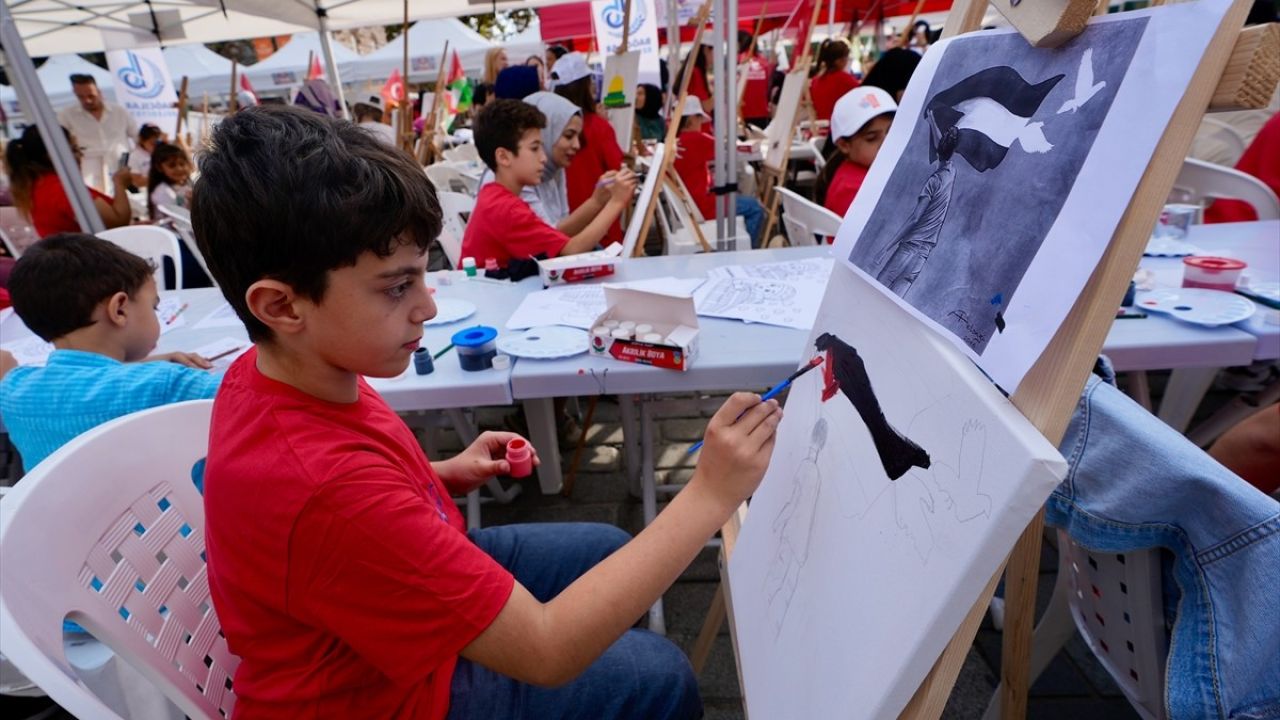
428, 149
771, 177
1239, 70
669, 142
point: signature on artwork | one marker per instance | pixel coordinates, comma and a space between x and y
973, 336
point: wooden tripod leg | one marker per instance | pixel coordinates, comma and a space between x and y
710, 628
678, 190
567, 489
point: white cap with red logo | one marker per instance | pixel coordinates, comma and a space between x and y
857, 108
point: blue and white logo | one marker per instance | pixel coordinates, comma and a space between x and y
142, 76
614, 15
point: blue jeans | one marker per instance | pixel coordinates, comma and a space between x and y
642, 675
1134, 483
752, 213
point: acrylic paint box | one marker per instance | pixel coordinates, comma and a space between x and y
576, 268
646, 328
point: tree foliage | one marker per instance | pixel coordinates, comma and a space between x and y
501, 25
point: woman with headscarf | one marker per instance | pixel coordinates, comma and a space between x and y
600, 151
649, 112
561, 140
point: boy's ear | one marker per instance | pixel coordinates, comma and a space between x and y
503, 157
273, 303
115, 309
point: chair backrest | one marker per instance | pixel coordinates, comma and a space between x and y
1200, 182
109, 532
456, 208
446, 178
1117, 604
180, 218
1217, 142
153, 243
805, 219
466, 152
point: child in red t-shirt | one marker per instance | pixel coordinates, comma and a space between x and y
508, 135
832, 79
693, 165
338, 564
859, 124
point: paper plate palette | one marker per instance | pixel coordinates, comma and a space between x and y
450, 310
1170, 247
544, 343
1199, 306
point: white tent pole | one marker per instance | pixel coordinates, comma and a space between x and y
35, 104
673, 57
831, 18
726, 119
326, 46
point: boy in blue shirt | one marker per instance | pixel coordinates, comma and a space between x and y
96, 303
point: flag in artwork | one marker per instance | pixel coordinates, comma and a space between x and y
990, 111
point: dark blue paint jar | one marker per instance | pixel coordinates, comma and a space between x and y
476, 347
422, 362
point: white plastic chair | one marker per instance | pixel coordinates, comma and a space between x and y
119, 528
154, 244
181, 219
805, 219
1117, 604
1200, 183
1217, 142
456, 208
446, 178
819, 160
466, 152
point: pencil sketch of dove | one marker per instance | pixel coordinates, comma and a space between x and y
1086, 88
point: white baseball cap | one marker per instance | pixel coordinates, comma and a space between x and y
692, 106
570, 67
857, 108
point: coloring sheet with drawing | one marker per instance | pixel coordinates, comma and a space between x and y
815, 270
775, 301
1008, 168
900, 480
579, 305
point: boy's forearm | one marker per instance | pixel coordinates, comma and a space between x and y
577, 221
589, 615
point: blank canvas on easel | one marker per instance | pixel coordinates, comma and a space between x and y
778, 134
993, 245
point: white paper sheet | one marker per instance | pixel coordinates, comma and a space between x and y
807, 270
172, 313
223, 316
993, 247
223, 351
789, 303
29, 351
579, 305
846, 583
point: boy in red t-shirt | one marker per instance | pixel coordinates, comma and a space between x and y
503, 226
338, 564
859, 124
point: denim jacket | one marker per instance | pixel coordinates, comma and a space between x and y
1133, 484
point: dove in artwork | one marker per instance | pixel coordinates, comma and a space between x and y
1086, 88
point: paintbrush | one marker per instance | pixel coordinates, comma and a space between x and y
774, 391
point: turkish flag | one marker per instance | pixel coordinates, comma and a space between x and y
393, 90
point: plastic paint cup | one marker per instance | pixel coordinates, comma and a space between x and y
643, 329
469, 266
627, 325
476, 347
501, 362
422, 362
491, 265
520, 457
653, 337
1176, 221
611, 324
1211, 273
621, 334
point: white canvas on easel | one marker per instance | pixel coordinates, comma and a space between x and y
648, 195
846, 583
621, 73
778, 135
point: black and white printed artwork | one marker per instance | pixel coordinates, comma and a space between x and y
1004, 131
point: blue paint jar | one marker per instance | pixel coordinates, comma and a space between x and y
422, 362
476, 347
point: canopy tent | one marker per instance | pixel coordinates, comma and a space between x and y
287, 67
206, 71
51, 27
342, 14
426, 42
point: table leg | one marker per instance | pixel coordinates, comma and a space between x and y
630, 441
1183, 394
541, 414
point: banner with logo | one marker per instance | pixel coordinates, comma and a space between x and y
685, 11
143, 86
608, 15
